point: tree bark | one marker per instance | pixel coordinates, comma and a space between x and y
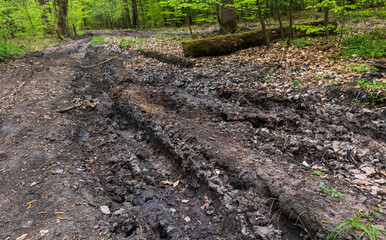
290, 30
227, 17
55, 13
279, 18
326, 10
142, 14
63, 27
135, 13
262, 20
227, 44
126, 17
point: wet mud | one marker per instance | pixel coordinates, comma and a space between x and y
201, 150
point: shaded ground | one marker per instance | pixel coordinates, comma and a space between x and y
150, 145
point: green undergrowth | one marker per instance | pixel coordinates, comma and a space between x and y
363, 45
19, 46
97, 39
124, 43
167, 37
331, 192
356, 224
304, 41
8, 49
372, 87
36, 44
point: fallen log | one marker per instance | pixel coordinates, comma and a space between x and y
381, 64
226, 44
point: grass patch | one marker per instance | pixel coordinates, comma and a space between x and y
356, 224
18, 46
363, 45
360, 67
304, 41
97, 39
36, 44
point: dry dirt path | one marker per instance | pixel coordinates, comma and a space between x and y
177, 149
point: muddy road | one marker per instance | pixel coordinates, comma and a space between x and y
103, 143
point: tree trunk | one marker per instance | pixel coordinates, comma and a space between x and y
226, 44
326, 10
279, 18
262, 20
188, 21
55, 13
126, 17
227, 17
135, 13
142, 14
290, 30
63, 27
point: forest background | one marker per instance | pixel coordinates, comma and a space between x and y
22, 20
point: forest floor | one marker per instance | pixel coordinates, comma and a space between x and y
97, 142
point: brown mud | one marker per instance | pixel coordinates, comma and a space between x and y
101, 143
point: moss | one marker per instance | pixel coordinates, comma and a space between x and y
226, 44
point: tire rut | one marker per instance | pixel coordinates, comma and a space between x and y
177, 164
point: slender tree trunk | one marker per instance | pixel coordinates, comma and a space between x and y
126, 17
63, 27
227, 17
142, 14
262, 20
326, 10
291, 31
188, 20
55, 13
218, 14
135, 13
44, 15
279, 18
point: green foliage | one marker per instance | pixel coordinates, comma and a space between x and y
304, 41
8, 50
359, 67
295, 83
331, 192
317, 77
124, 43
142, 48
97, 39
319, 173
363, 45
314, 29
378, 32
369, 229
372, 87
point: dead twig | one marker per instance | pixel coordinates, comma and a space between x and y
69, 108
108, 60
59, 36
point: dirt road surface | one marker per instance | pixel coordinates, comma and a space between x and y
101, 143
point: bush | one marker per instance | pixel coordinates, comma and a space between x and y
8, 50
363, 45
